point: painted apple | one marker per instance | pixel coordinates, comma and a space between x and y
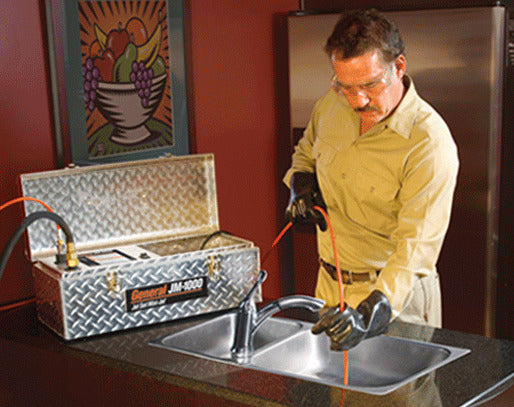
117, 41
105, 65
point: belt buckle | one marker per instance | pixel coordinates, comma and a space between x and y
373, 276
347, 277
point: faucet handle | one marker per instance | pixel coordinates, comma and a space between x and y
260, 279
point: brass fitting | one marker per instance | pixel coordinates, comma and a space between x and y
72, 260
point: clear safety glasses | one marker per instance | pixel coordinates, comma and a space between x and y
372, 88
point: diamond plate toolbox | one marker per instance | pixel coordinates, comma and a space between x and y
148, 242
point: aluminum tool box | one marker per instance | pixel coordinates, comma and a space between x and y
148, 241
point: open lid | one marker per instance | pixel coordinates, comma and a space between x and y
130, 202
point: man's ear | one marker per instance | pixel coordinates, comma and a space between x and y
401, 65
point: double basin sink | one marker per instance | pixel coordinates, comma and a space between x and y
285, 346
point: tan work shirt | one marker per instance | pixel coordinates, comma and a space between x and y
388, 192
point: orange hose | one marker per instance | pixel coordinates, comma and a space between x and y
336, 256
25, 198
275, 242
28, 198
2, 207
339, 280
17, 304
341, 292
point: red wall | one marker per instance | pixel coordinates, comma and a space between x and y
233, 72
235, 105
25, 127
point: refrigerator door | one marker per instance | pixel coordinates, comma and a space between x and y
455, 57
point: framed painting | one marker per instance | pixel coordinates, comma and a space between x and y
118, 78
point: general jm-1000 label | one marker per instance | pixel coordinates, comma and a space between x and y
166, 293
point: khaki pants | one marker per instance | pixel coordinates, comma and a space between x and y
422, 305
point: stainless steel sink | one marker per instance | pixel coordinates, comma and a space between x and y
377, 365
287, 347
214, 338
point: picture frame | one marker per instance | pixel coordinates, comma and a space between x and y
118, 79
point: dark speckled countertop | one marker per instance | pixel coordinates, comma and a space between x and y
485, 372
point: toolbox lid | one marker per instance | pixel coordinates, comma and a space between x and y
130, 202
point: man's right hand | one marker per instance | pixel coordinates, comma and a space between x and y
349, 327
305, 195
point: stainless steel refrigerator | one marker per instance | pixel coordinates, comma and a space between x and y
459, 60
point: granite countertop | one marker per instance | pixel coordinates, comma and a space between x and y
483, 373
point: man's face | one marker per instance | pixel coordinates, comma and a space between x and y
372, 87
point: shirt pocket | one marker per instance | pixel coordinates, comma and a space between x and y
376, 198
323, 153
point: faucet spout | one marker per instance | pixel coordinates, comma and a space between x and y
294, 301
248, 319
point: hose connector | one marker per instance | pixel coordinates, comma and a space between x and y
60, 257
71, 255
72, 260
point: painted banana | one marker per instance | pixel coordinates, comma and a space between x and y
100, 36
150, 49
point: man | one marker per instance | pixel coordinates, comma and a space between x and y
384, 165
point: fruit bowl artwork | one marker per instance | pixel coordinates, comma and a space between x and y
125, 78
121, 105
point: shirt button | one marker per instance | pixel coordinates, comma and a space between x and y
372, 189
343, 176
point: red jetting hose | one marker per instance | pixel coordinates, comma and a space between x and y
2, 207
25, 198
341, 292
339, 279
275, 242
336, 257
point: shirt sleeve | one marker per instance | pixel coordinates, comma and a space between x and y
303, 159
426, 199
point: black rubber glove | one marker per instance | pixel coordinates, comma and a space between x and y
348, 328
305, 195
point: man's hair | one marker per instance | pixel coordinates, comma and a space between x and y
361, 31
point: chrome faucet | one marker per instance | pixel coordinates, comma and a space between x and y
248, 319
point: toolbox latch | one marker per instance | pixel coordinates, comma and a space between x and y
113, 282
213, 267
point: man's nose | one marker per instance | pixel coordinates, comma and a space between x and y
358, 99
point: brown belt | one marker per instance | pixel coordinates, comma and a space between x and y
348, 276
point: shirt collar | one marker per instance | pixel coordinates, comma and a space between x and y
403, 118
